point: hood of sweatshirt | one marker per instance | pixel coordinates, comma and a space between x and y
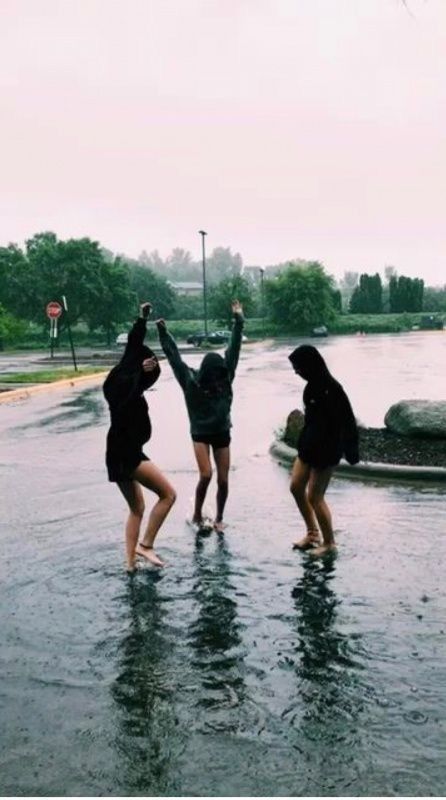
309, 364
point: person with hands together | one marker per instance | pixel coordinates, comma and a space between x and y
127, 465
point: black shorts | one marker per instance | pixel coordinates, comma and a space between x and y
120, 467
216, 440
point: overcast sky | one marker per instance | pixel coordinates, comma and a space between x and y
285, 128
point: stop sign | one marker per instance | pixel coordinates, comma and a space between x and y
53, 310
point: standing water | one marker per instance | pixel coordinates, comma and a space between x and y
243, 667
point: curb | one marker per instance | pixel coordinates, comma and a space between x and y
368, 469
22, 394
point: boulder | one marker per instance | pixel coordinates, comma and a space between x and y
423, 418
294, 425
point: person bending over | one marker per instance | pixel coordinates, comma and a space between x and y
208, 395
329, 433
130, 429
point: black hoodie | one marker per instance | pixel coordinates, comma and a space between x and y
208, 390
124, 390
330, 431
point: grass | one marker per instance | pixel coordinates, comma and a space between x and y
48, 375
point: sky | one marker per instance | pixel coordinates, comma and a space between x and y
311, 129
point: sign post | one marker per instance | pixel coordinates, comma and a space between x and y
65, 305
53, 312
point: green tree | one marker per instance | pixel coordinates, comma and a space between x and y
11, 328
301, 297
71, 268
367, 295
16, 285
115, 303
222, 295
148, 286
222, 264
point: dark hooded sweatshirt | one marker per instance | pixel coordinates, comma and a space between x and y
330, 431
208, 390
124, 389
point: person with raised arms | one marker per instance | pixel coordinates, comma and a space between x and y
130, 429
208, 395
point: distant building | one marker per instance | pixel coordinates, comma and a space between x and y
188, 288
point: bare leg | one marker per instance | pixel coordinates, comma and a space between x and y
298, 488
222, 462
152, 478
201, 451
317, 486
135, 500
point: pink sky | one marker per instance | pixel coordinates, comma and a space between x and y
285, 128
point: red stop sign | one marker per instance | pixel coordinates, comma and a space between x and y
54, 310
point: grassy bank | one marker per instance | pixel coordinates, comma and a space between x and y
256, 328
48, 375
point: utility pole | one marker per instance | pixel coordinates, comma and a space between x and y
203, 234
262, 274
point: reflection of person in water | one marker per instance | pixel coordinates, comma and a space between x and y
130, 428
329, 432
328, 682
316, 605
215, 633
141, 692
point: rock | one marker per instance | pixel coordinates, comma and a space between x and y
294, 425
418, 418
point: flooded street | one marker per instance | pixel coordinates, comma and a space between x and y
243, 668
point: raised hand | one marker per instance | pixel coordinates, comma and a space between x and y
237, 307
145, 309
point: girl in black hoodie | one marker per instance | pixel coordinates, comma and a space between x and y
130, 428
208, 395
329, 433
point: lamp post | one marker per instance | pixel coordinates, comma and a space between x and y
203, 234
262, 274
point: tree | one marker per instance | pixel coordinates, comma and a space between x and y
11, 328
405, 294
222, 295
367, 295
301, 297
223, 264
148, 286
116, 302
16, 286
347, 285
71, 268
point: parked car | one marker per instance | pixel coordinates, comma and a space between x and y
321, 330
215, 337
196, 338
121, 339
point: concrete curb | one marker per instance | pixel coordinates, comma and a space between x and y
9, 396
368, 469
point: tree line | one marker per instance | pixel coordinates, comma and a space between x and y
103, 289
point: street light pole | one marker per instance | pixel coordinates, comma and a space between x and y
203, 234
262, 273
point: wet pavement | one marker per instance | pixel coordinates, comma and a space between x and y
243, 668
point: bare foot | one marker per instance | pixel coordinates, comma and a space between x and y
310, 540
219, 526
323, 550
149, 554
131, 567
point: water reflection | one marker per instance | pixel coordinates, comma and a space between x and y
146, 721
328, 666
215, 634
85, 410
